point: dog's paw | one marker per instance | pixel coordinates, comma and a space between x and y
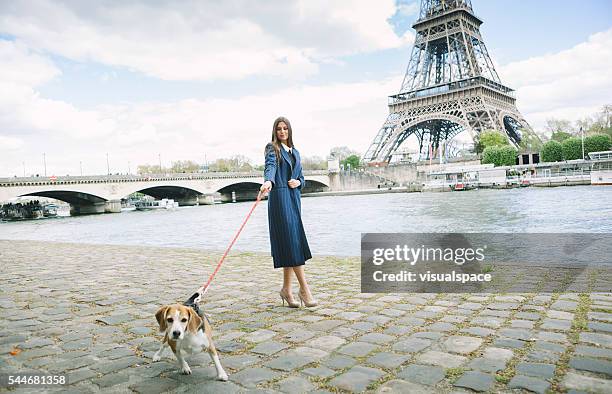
156, 358
186, 370
223, 377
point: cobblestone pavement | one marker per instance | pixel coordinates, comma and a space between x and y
88, 311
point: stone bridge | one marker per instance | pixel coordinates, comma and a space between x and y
98, 194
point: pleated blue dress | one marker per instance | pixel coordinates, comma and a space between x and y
288, 243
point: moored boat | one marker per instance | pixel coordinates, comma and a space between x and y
164, 203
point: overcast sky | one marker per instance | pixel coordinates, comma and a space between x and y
193, 79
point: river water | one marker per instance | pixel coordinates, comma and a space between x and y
334, 224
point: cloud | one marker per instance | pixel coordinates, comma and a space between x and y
323, 116
22, 109
10, 143
570, 84
204, 40
21, 66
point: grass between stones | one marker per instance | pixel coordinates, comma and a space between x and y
452, 374
508, 373
487, 268
579, 324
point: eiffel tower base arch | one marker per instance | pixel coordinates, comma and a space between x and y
437, 119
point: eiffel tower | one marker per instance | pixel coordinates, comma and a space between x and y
450, 86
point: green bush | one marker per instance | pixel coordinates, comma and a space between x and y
552, 151
560, 136
597, 143
530, 142
353, 160
499, 155
490, 138
572, 148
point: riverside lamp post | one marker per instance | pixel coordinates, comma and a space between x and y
582, 136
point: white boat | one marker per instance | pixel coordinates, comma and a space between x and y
164, 203
601, 177
50, 210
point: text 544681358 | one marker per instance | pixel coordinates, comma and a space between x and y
31, 380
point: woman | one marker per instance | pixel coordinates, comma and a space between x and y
284, 180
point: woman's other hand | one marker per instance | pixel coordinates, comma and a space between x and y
293, 183
266, 187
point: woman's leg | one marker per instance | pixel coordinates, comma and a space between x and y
287, 280
304, 288
286, 290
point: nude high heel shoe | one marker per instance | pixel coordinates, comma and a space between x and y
308, 303
284, 297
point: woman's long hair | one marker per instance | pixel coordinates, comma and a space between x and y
275, 141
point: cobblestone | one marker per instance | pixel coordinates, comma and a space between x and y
357, 378
528, 383
476, 381
422, 374
88, 310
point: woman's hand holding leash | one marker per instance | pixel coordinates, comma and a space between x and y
293, 183
265, 188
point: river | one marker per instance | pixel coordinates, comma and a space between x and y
334, 224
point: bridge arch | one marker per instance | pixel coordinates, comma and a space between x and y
314, 185
80, 202
239, 191
70, 196
186, 195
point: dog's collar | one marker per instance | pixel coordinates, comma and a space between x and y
193, 305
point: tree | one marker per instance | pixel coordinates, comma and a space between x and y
187, 166
490, 138
558, 125
530, 142
602, 122
552, 151
314, 163
572, 148
353, 160
342, 152
500, 155
560, 136
237, 163
597, 143
148, 169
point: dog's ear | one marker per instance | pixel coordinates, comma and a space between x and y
194, 321
160, 315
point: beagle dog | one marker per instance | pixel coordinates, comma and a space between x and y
186, 333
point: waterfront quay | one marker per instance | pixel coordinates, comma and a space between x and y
87, 311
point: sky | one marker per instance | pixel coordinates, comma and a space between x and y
202, 80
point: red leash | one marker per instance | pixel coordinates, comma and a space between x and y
203, 289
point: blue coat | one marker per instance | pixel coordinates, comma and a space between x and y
287, 238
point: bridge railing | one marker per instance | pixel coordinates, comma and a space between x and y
50, 180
